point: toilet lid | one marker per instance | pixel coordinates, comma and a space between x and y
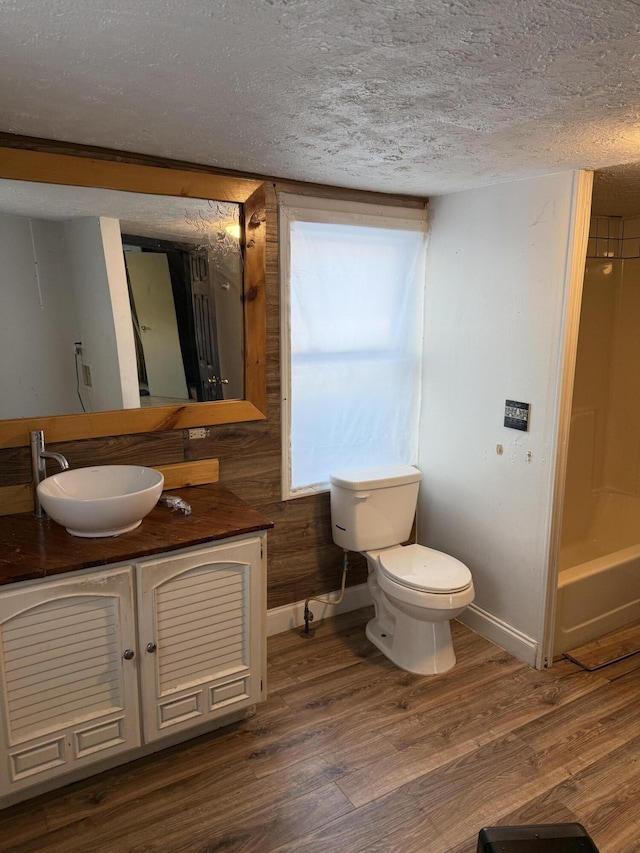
422, 568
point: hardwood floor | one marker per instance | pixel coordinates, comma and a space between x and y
615, 646
352, 754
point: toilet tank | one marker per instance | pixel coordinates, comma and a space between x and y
373, 507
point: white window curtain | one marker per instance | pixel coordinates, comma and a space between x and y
351, 337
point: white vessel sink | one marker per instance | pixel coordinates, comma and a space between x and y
104, 500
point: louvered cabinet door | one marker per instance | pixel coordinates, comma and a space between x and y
200, 635
69, 697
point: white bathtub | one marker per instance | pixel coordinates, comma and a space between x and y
599, 579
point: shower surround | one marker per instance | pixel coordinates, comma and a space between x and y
599, 581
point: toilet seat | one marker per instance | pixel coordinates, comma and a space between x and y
424, 569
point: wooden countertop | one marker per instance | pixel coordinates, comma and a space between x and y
38, 548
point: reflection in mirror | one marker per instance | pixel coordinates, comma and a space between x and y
116, 300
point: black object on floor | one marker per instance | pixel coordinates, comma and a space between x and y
536, 838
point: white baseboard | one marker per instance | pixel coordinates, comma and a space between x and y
291, 616
501, 633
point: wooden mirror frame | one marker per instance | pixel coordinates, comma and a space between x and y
39, 167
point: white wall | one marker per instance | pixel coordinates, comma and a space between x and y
99, 283
496, 273
37, 370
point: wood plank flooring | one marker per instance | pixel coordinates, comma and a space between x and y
612, 647
352, 754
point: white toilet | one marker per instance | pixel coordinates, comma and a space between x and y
416, 590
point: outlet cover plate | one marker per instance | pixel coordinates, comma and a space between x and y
196, 432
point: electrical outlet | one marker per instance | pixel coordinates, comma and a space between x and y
86, 375
197, 432
77, 348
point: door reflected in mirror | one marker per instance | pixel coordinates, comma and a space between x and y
117, 300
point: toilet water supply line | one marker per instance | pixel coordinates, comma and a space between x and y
308, 615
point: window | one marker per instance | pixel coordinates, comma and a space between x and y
351, 337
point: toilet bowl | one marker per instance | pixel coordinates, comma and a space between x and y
416, 592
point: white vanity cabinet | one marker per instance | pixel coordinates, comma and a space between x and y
67, 675
111, 661
201, 635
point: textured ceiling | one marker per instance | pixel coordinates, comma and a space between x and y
616, 191
413, 96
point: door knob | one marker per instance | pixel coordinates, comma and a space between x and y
128, 654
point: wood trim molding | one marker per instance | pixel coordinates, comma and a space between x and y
19, 164
255, 332
14, 499
15, 433
574, 281
183, 474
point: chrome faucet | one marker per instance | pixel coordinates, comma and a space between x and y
39, 466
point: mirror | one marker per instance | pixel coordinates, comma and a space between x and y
129, 300
135, 289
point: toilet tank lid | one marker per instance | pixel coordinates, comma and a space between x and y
375, 477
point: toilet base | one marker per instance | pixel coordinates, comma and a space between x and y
425, 648
413, 628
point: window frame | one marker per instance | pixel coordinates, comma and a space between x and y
299, 208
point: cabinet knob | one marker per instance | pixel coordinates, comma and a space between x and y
151, 647
128, 654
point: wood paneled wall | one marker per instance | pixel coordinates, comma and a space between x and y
303, 561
